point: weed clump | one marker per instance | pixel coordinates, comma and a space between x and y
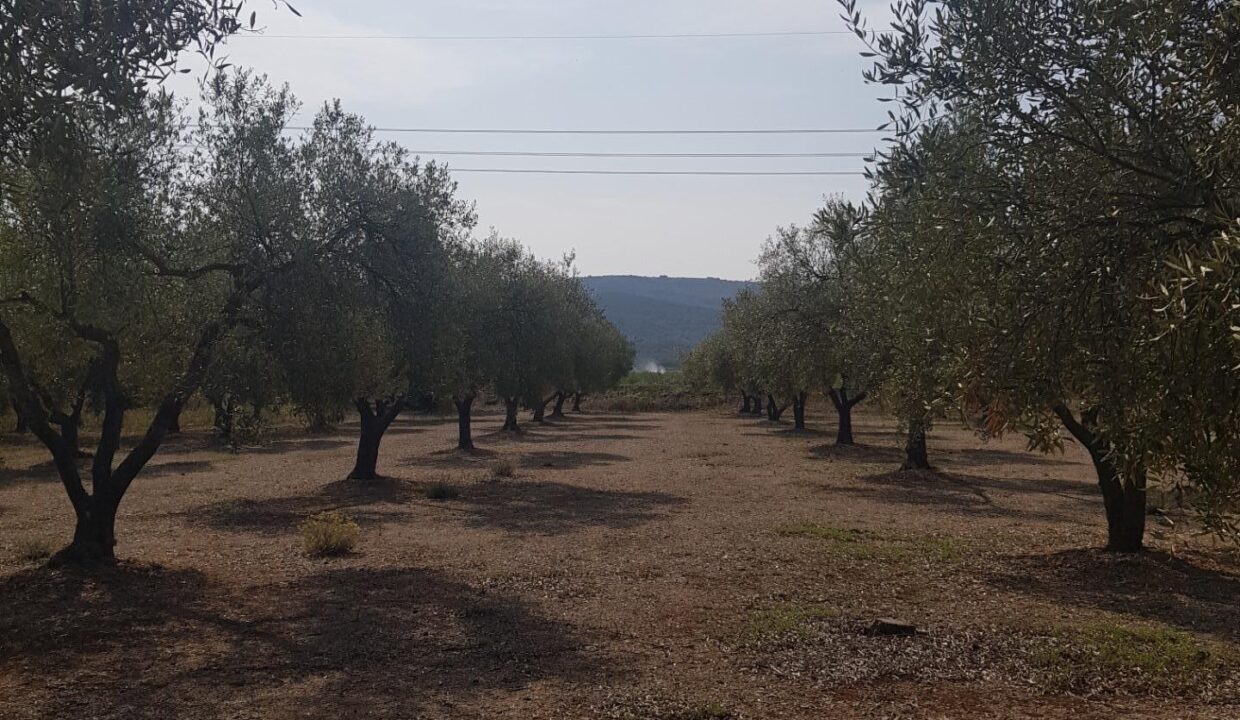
504, 469
329, 534
33, 549
442, 491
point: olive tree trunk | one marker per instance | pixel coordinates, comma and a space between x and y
745, 403
1123, 495
916, 456
577, 398
540, 409
798, 410
843, 408
464, 420
374, 423
557, 411
510, 415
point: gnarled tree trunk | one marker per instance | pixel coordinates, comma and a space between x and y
798, 410
540, 409
756, 408
1123, 497
464, 411
916, 457
510, 415
773, 410
374, 423
557, 411
843, 407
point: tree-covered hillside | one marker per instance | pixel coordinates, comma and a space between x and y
662, 316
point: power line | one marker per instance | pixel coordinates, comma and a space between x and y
645, 36
525, 171
503, 153
513, 131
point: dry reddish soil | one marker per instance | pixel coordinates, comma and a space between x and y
638, 566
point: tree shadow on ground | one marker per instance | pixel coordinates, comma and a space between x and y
995, 456
550, 508
569, 460
1190, 592
562, 459
176, 467
362, 499
44, 472
148, 642
790, 432
969, 495
858, 452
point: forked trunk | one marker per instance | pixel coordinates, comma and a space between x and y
374, 423
94, 535
843, 407
1123, 497
510, 415
541, 408
558, 410
464, 433
916, 456
798, 410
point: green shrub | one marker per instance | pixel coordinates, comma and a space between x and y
328, 534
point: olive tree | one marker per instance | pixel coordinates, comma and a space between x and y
1105, 178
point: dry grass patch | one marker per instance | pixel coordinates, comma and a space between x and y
31, 550
504, 468
329, 534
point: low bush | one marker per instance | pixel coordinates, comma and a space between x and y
442, 491
504, 468
33, 549
328, 534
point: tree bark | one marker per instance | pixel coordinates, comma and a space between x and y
745, 403
1123, 497
374, 423
510, 415
540, 409
577, 397
843, 408
558, 410
223, 418
916, 456
21, 427
174, 428
464, 433
798, 410
773, 410
756, 408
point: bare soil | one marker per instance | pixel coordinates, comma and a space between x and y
696, 565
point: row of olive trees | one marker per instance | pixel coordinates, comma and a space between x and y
1050, 244
145, 258
799, 333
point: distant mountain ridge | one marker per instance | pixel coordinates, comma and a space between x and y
663, 316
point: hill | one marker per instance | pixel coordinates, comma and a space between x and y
662, 316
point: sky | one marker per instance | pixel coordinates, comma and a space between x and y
690, 226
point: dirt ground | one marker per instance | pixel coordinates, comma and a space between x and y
673, 566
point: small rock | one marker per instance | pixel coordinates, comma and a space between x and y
888, 627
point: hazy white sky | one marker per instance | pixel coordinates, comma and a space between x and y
645, 225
